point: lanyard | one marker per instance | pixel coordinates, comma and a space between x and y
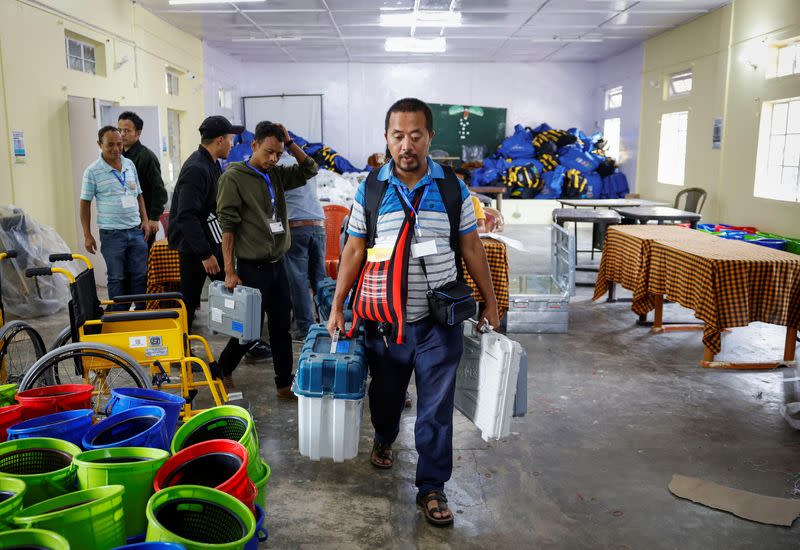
120, 178
269, 186
417, 225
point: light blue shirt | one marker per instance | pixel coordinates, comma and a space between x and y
116, 193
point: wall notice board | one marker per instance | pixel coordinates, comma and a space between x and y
459, 125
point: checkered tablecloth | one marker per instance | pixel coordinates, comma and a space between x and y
626, 258
163, 269
727, 283
498, 266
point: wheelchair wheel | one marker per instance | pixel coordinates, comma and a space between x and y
64, 337
100, 365
20, 347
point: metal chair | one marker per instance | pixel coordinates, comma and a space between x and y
695, 199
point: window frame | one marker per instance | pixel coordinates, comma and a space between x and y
664, 164
794, 48
170, 78
608, 148
680, 76
763, 188
612, 93
83, 58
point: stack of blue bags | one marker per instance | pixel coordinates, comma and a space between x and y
544, 163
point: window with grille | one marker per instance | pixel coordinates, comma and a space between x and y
80, 56
614, 98
680, 84
172, 83
778, 157
672, 147
788, 60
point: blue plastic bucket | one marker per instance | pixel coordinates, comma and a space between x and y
136, 427
261, 532
123, 399
777, 244
67, 425
152, 546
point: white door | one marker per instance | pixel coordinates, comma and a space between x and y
83, 127
151, 130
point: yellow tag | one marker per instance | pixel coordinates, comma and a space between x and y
378, 254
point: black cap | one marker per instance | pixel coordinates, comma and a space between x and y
217, 125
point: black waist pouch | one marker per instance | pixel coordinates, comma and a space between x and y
451, 303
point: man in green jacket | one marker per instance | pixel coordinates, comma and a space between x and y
251, 208
147, 167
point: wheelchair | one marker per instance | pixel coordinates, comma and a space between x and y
158, 340
20, 344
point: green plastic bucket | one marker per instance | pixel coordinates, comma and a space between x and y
261, 487
12, 492
200, 518
132, 467
33, 538
93, 518
223, 422
43, 463
7, 393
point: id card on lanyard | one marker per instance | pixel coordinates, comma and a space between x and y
419, 248
128, 201
275, 225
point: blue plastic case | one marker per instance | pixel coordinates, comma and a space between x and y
342, 375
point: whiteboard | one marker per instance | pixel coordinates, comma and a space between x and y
302, 114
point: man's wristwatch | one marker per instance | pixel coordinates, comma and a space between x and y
288, 144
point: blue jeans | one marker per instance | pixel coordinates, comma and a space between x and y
125, 253
432, 352
305, 266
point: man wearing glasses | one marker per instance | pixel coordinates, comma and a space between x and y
147, 167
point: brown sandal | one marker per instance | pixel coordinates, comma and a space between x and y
381, 452
441, 498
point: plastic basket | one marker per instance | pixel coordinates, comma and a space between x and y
199, 518
9, 416
43, 463
223, 422
7, 393
744, 228
33, 538
132, 467
67, 425
123, 399
53, 399
261, 534
261, 487
137, 427
12, 493
91, 518
219, 463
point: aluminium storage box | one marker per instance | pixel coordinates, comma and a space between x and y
540, 303
487, 380
236, 313
330, 389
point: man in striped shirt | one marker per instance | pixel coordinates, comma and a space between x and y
432, 351
121, 216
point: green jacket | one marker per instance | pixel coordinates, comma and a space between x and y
244, 209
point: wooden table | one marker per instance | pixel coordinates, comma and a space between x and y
497, 257
496, 191
163, 269
609, 203
660, 214
726, 283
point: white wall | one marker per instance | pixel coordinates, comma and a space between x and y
624, 69
222, 71
356, 95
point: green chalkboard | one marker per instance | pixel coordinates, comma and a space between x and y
458, 125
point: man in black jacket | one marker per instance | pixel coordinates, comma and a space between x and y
193, 227
147, 167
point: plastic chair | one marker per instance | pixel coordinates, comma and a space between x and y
695, 199
334, 216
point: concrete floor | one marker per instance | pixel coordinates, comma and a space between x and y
613, 412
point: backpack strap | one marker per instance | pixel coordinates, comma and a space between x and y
450, 191
374, 190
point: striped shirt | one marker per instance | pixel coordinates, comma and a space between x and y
117, 202
433, 224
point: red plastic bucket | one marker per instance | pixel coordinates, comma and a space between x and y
218, 463
8, 417
745, 228
53, 399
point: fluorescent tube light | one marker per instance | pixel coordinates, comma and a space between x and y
439, 18
190, 2
410, 44
267, 39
